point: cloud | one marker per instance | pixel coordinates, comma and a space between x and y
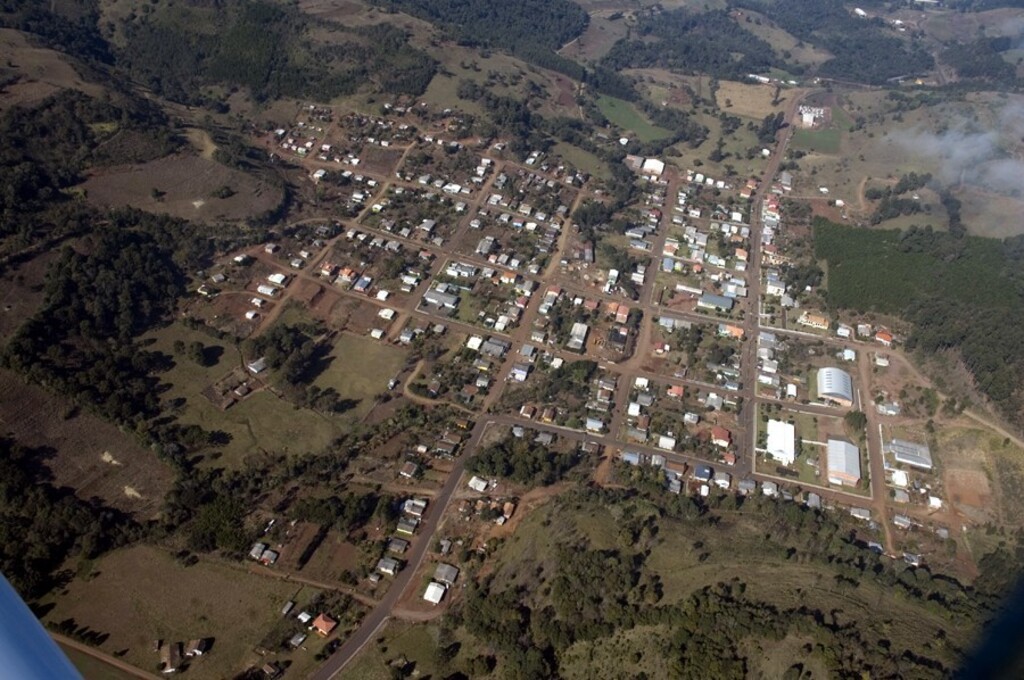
969, 155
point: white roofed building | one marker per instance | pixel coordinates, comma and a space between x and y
781, 441
836, 385
843, 462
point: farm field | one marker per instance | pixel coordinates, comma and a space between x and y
601, 35
39, 72
147, 596
753, 101
182, 185
625, 115
88, 454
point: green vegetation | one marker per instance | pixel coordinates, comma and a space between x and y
727, 584
706, 42
821, 141
43, 526
958, 291
523, 462
625, 115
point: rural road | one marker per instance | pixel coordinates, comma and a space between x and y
100, 656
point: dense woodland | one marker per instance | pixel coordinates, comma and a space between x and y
957, 290
865, 51
706, 42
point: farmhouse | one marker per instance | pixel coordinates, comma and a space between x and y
835, 385
782, 441
843, 462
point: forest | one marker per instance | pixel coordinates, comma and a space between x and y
958, 291
865, 51
707, 42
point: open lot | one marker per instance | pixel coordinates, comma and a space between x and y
148, 596
183, 185
359, 369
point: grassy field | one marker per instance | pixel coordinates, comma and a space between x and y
750, 100
823, 141
626, 116
146, 595
583, 160
360, 369
261, 422
92, 668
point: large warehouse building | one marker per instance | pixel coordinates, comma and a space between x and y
843, 462
835, 385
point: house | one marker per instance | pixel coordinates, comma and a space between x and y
746, 487
434, 593
721, 437
843, 462
813, 321
702, 473
477, 484
446, 574
397, 546
409, 469
388, 566
884, 337
441, 299
407, 525
257, 549
781, 441
269, 557
723, 480
718, 303
170, 657
296, 640
770, 489
324, 625
594, 424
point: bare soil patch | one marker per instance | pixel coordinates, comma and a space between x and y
183, 185
90, 455
969, 490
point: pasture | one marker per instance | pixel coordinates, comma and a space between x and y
183, 185
147, 595
359, 368
85, 452
624, 115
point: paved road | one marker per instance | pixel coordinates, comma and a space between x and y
421, 543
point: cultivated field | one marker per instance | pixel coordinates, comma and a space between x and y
185, 186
